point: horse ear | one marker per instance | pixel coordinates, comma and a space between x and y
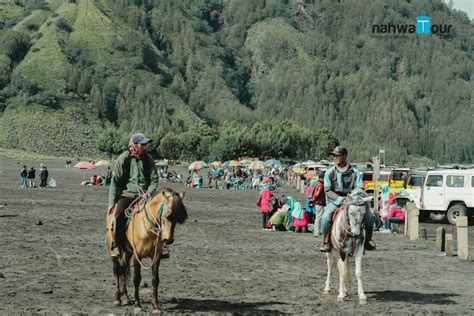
182, 195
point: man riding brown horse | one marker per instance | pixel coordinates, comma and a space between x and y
133, 171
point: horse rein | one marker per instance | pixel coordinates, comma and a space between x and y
155, 228
346, 228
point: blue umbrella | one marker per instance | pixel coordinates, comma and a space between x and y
270, 162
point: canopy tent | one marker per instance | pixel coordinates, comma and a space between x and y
84, 165
102, 164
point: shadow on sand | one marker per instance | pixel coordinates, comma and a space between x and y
413, 297
192, 305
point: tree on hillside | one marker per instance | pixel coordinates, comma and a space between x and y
170, 146
111, 142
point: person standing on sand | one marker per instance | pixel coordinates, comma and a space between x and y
264, 201
44, 177
134, 169
23, 177
31, 177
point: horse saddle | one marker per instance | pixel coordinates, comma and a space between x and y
134, 209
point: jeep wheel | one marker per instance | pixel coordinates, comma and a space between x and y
437, 217
455, 211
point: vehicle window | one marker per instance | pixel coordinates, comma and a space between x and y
384, 177
434, 181
416, 181
455, 181
367, 177
399, 176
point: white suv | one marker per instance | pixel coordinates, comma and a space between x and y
446, 192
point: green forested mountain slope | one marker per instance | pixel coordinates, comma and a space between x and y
166, 65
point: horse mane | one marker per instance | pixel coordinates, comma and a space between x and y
178, 210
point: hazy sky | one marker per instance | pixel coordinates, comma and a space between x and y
466, 6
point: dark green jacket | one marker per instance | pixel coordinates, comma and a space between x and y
121, 186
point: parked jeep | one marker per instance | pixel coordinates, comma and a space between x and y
446, 193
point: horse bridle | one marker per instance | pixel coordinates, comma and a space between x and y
346, 227
156, 228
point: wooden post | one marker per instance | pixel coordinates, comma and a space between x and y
461, 223
405, 232
440, 237
414, 214
449, 245
302, 187
376, 183
423, 233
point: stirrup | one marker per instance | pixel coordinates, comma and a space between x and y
325, 248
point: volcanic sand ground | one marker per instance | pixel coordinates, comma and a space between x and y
221, 261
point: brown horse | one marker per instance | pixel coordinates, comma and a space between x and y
148, 229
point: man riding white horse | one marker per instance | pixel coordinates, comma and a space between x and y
339, 181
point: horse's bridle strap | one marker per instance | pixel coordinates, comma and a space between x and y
157, 226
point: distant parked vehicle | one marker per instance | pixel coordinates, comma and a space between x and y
446, 193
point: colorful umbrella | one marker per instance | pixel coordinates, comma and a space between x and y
257, 165
231, 163
102, 163
198, 165
245, 162
84, 165
215, 164
270, 162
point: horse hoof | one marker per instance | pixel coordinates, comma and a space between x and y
117, 303
156, 311
326, 292
126, 302
137, 310
340, 298
363, 301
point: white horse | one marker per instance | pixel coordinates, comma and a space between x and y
347, 239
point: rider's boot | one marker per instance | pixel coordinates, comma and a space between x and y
114, 249
326, 247
368, 238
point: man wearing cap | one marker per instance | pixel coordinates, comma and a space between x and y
339, 181
133, 169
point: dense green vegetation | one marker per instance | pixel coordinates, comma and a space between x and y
219, 79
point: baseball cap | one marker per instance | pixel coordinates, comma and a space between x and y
339, 151
139, 138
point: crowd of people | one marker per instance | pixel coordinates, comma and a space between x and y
325, 194
28, 177
286, 214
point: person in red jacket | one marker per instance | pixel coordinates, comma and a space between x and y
395, 215
319, 202
264, 201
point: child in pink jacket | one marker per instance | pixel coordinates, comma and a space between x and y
264, 201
